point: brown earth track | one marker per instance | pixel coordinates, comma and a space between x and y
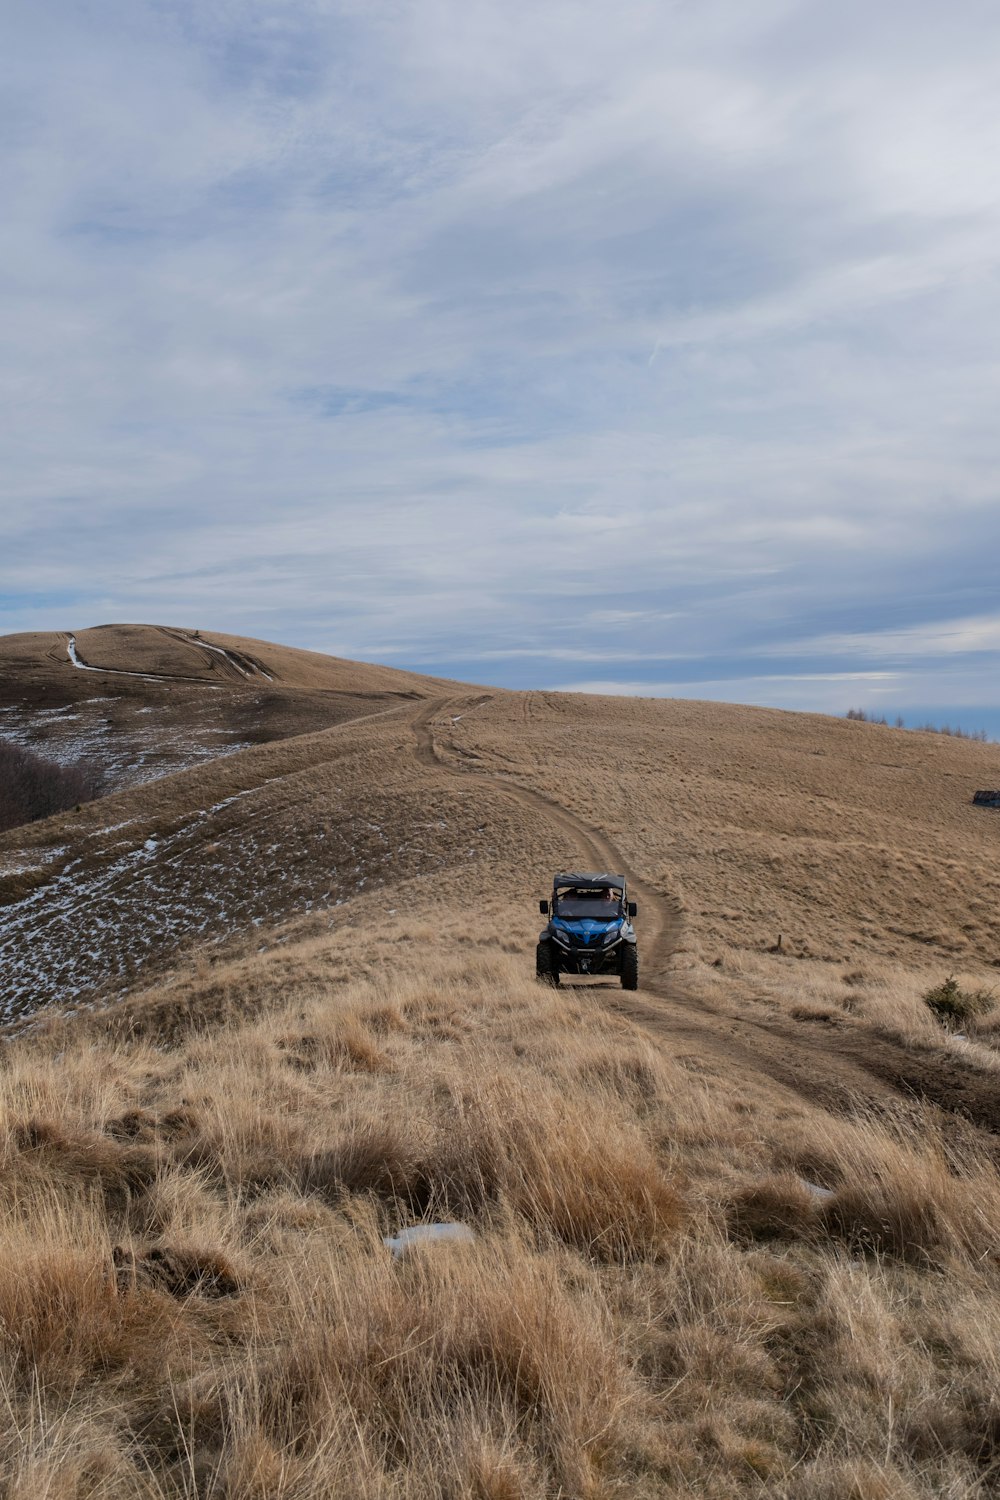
221, 661
601, 853
821, 1063
218, 665
152, 676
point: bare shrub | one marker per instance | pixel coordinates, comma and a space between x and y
32, 787
865, 716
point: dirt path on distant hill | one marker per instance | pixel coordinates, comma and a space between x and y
836, 1065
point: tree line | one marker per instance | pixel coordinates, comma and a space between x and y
32, 787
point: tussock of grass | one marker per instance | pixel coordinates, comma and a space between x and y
913, 1207
895, 1189
463, 1335
63, 1318
370, 1156
578, 1173
779, 1207
48, 1152
352, 1049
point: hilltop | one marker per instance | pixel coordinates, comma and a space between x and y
145, 700
45, 664
736, 1230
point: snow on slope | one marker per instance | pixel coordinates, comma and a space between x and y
126, 899
149, 747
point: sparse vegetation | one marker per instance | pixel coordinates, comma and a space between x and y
197, 1300
32, 787
954, 1006
865, 716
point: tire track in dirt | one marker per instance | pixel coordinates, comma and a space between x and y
224, 669
76, 660
234, 666
840, 1071
660, 920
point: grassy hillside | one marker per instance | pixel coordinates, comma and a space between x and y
188, 656
734, 1234
685, 1278
143, 701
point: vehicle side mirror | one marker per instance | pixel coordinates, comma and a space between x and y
543, 907
633, 908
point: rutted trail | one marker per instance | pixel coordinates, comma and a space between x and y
660, 920
836, 1067
85, 666
234, 666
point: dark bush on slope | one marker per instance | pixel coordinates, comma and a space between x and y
32, 787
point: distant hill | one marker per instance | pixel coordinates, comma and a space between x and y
130, 701
176, 655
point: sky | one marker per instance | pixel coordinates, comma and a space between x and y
636, 347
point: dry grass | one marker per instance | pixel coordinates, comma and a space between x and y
133, 729
185, 654
852, 842
196, 1300
688, 1275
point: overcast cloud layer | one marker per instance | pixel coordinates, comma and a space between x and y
643, 347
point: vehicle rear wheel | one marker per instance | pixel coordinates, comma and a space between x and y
546, 964
630, 966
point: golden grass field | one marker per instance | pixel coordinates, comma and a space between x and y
736, 1234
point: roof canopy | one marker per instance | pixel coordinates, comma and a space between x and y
584, 879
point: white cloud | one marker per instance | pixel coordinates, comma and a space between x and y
942, 638
820, 692
338, 322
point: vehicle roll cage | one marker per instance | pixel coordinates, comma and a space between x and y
587, 881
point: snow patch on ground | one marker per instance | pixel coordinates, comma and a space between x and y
130, 896
233, 661
78, 661
129, 755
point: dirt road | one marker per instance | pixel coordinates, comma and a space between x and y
837, 1065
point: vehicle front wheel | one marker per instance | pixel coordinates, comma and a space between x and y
546, 964
630, 966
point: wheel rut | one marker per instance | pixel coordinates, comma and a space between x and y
834, 1068
661, 923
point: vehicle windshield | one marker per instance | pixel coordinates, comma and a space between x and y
602, 904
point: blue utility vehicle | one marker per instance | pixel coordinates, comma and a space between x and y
589, 930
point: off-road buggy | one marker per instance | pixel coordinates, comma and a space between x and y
589, 931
